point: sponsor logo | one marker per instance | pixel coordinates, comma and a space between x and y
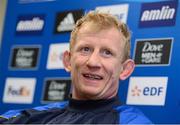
147, 90
153, 51
120, 11
19, 90
55, 55
65, 21
30, 25
22, 91
56, 90
24, 57
158, 14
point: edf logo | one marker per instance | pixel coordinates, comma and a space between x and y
153, 91
147, 90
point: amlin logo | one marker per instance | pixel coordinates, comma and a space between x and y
30, 24
158, 14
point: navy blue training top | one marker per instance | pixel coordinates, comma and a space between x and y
78, 112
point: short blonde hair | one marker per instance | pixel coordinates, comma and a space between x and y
102, 21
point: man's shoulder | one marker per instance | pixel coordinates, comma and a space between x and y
51, 105
131, 115
14, 113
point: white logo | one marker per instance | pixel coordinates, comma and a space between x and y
165, 13
36, 24
120, 11
55, 55
152, 53
19, 90
56, 91
147, 90
67, 23
24, 58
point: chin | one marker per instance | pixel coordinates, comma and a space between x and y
91, 93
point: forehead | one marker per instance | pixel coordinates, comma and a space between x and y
105, 39
109, 33
94, 27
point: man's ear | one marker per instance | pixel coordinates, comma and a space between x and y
128, 68
66, 61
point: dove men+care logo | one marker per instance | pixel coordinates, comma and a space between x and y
153, 51
56, 89
24, 57
158, 14
30, 25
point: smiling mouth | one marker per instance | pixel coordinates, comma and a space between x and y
92, 76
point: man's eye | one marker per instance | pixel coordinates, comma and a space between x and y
85, 49
107, 53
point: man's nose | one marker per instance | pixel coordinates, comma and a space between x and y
94, 60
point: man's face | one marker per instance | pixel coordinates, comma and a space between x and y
96, 63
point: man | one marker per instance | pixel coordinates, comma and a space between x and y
98, 59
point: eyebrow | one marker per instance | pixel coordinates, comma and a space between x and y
82, 45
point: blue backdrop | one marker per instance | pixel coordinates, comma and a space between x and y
32, 45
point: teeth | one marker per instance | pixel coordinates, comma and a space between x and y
93, 76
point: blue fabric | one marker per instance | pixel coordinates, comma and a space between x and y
14, 113
52, 105
131, 115
125, 114
11, 113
